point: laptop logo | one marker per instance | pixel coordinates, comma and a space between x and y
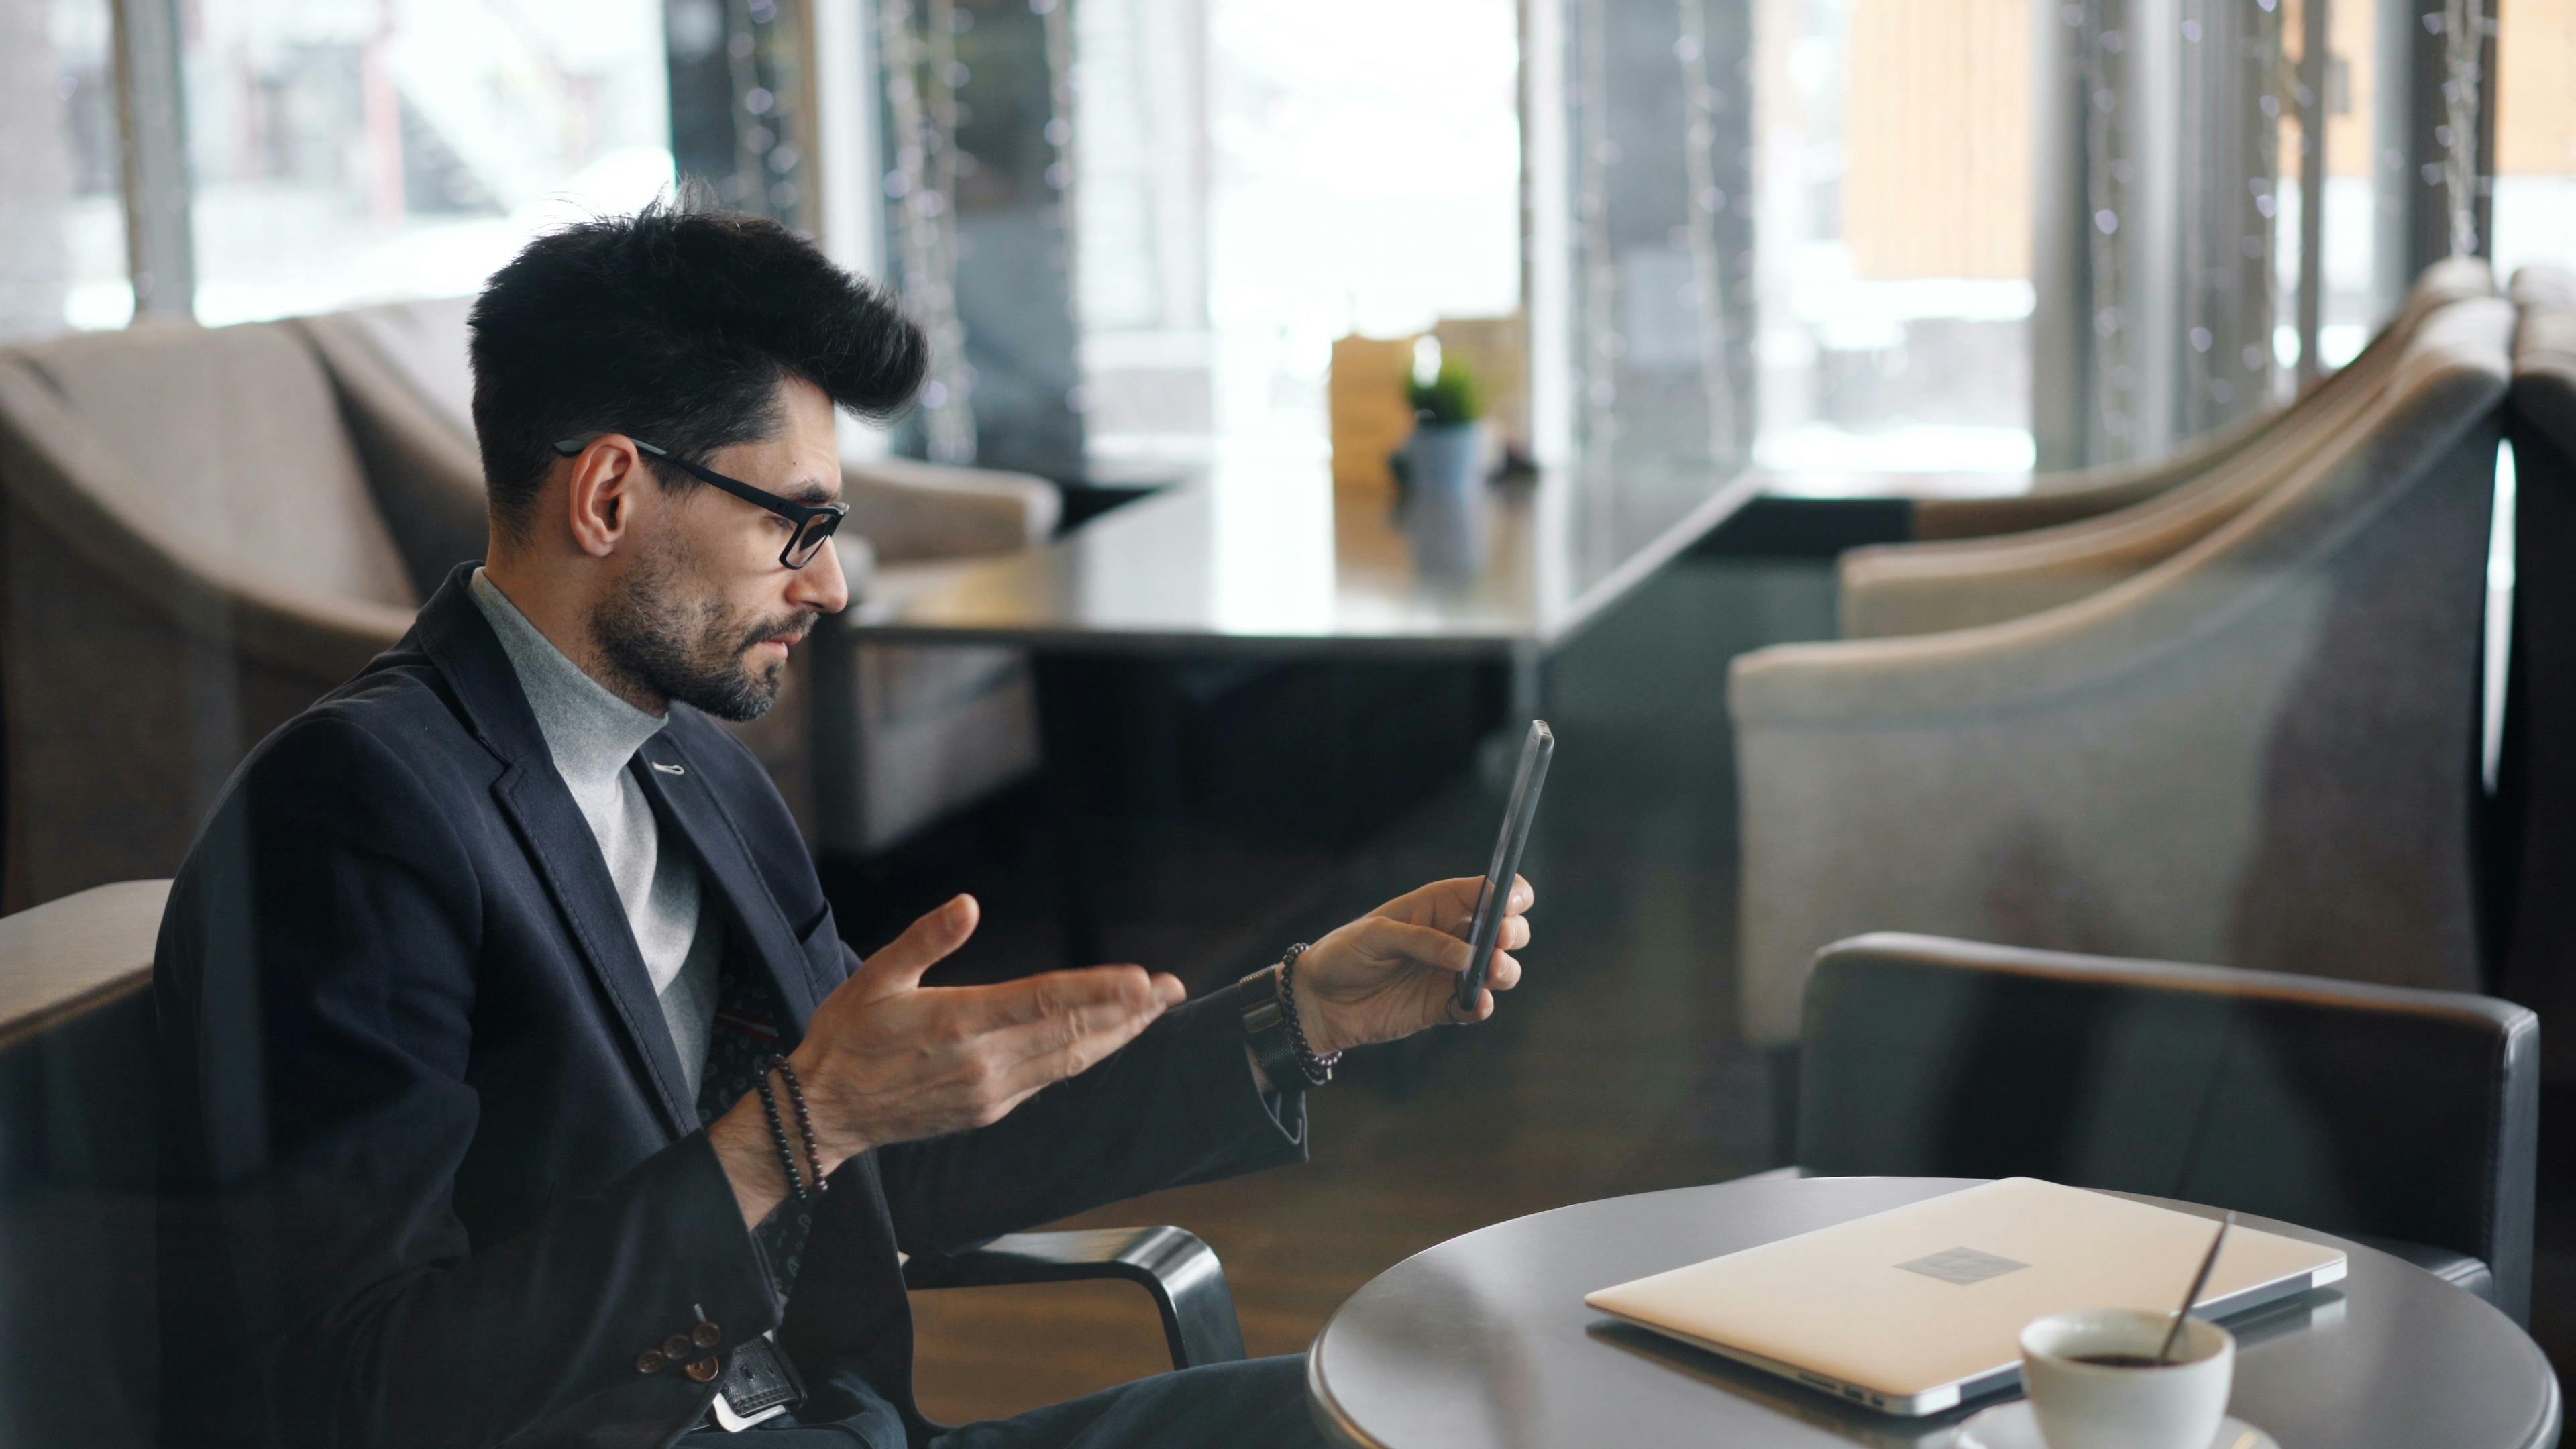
1962, 1266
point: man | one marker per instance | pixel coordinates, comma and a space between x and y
467, 991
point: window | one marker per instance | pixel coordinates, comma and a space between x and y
1894, 256
2535, 134
1359, 187
384, 148
62, 218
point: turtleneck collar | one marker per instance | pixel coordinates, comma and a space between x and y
590, 732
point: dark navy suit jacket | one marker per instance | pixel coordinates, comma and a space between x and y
432, 1177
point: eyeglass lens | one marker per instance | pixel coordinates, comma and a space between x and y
810, 538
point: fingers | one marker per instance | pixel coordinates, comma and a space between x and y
1450, 904
1484, 1008
1444, 952
899, 965
1423, 945
1058, 993
1031, 1055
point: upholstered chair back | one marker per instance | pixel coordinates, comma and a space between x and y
407, 390
2406, 1118
2539, 791
2259, 753
226, 446
1925, 588
190, 553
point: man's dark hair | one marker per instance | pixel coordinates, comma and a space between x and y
674, 325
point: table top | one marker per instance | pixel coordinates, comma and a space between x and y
1484, 1342
1263, 553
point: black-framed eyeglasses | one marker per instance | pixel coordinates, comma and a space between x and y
814, 525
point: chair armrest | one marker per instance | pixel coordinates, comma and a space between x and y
2078, 494
913, 511
1174, 1265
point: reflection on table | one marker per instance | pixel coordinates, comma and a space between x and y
1264, 553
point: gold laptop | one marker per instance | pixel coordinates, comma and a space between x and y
1911, 1310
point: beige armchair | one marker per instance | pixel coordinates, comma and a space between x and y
1925, 588
2257, 752
412, 420
193, 555
2540, 947
2055, 498
868, 742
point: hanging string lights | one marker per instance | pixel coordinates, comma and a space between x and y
922, 77
1701, 102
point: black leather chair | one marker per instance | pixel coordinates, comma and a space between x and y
2537, 793
78, 1322
2401, 1118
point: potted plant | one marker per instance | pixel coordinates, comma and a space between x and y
1446, 453
1443, 467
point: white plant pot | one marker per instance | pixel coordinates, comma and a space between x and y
1445, 507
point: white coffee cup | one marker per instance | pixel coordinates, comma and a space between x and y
2101, 1406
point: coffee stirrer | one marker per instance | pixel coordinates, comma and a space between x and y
2199, 1281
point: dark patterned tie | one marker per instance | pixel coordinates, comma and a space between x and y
746, 1031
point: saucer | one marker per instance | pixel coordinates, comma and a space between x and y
2010, 1426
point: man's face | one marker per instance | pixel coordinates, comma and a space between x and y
705, 612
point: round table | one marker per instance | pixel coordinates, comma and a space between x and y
1484, 1342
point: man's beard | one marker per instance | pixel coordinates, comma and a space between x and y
686, 648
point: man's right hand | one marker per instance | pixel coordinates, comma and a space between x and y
886, 1059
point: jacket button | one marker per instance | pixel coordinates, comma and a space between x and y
706, 1335
703, 1370
650, 1361
676, 1347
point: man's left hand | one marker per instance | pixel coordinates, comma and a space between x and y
1395, 971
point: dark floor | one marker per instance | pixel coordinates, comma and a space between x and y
1615, 1070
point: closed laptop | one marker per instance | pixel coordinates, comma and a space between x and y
1910, 1311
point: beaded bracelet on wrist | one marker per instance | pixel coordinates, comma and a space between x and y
1318, 1069
804, 1122
778, 1136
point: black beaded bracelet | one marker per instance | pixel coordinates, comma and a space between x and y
778, 1135
804, 1123
1318, 1069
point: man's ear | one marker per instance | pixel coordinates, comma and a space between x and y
599, 494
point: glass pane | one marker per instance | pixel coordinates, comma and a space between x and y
1658, 220
350, 151
976, 218
1363, 189
2535, 162
62, 223
2353, 304
1895, 234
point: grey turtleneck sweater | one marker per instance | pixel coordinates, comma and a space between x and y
593, 735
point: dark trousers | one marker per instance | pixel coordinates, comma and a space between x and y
1257, 1404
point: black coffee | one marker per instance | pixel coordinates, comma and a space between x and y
2116, 1360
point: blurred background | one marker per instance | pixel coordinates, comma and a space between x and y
1169, 650
1142, 223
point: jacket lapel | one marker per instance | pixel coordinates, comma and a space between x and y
728, 881
567, 855
455, 635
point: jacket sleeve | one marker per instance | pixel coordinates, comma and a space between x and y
1177, 1105
315, 986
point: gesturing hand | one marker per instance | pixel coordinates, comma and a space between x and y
889, 1060
1395, 971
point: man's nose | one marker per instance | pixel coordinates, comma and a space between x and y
821, 584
